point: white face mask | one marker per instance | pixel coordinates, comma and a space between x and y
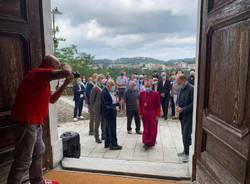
148, 89
78, 81
104, 81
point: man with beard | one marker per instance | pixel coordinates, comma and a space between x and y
185, 110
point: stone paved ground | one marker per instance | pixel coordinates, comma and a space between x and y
65, 108
161, 160
166, 149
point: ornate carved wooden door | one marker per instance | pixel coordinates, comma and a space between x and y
21, 48
223, 117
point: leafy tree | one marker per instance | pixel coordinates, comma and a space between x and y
79, 61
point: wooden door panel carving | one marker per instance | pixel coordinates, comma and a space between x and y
13, 9
13, 54
228, 70
224, 93
214, 4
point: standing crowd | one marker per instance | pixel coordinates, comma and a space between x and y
143, 98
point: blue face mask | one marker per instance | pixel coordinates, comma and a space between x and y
112, 89
148, 90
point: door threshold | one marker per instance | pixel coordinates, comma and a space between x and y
169, 171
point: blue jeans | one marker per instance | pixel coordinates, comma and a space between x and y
29, 148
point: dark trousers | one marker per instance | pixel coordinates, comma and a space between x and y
186, 130
78, 107
164, 105
91, 119
121, 92
172, 105
111, 137
130, 115
99, 121
29, 148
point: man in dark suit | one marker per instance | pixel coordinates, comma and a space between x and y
79, 93
164, 87
109, 112
185, 110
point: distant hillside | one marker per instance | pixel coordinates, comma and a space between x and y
185, 60
142, 60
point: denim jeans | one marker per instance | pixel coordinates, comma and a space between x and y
29, 148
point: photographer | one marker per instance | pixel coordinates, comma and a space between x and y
30, 111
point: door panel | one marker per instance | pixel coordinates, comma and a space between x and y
15, 9
223, 113
21, 48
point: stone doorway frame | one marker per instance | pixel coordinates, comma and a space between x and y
56, 143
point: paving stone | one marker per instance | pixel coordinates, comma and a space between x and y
169, 143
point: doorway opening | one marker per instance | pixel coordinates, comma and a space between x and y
162, 161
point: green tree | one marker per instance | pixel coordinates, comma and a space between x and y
79, 61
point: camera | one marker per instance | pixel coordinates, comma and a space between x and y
76, 74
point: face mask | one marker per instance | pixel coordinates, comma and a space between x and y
104, 81
164, 77
112, 89
78, 81
148, 90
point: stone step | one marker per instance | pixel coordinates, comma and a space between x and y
130, 168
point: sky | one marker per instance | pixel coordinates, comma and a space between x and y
112, 29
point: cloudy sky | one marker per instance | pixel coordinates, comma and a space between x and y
162, 29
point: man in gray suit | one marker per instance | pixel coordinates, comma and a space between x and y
95, 102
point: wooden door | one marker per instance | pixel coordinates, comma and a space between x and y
21, 48
223, 113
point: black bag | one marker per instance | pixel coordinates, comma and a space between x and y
71, 144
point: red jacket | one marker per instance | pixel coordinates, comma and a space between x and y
33, 97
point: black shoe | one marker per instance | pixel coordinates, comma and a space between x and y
103, 138
106, 146
146, 147
116, 147
139, 132
174, 118
98, 141
129, 131
91, 133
